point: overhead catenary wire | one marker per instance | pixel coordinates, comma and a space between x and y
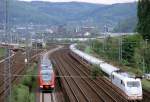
36, 75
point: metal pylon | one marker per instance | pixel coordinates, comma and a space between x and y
7, 64
7, 77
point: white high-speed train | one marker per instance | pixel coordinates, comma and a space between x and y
130, 86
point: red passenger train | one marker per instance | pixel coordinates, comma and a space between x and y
46, 75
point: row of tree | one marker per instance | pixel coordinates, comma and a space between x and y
143, 28
131, 51
144, 18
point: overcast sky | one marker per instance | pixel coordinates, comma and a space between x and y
90, 1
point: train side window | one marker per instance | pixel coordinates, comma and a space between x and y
121, 82
113, 76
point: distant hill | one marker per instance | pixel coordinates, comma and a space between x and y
2, 13
128, 25
69, 13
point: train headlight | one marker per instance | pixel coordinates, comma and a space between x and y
41, 86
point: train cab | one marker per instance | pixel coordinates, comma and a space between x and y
46, 75
47, 79
134, 89
130, 86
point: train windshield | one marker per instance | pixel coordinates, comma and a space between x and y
46, 67
46, 75
133, 84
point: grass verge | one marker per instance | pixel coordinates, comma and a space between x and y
146, 84
2, 52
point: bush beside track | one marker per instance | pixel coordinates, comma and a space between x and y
2, 52
24, 92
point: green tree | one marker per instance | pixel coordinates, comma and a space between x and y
130, 43
20, 93
142, 57
144, 18
97, 46
96, 71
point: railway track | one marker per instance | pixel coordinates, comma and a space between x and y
47, 97
146, 96
147, 93
90, 82
74, 76
70, 85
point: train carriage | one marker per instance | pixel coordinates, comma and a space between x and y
46, 75
47, 79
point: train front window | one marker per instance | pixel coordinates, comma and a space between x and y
133, 84
45, 67
46, 75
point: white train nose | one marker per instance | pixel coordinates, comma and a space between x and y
134, 91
